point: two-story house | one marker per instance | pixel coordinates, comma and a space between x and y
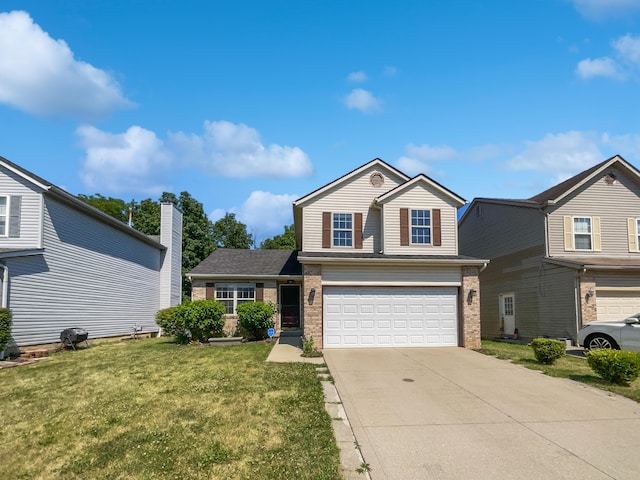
65, 264
376, 265
561, 259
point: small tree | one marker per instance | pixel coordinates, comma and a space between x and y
256, 318
547, 350
5, 328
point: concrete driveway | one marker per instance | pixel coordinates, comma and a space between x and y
451, 413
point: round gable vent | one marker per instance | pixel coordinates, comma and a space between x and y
376, 179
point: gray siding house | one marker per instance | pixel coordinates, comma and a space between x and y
561, 259
64, 263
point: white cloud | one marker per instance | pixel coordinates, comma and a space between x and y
265, 214
626, 145
429, 153
133, 161
628, 48
562, 154
40, 75
412, 166
390, 71
603, 9
236, 150
217, 214
362, 100
598, 67
357, 77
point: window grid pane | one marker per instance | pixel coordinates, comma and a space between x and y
421, 226
342, 230
582, 233
508, 305
3, 216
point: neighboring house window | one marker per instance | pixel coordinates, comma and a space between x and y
420, 226
582, 233
233, 295
342, 230
4, 214
637, 234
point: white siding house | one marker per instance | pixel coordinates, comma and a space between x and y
66, 264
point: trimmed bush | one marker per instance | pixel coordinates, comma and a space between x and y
256, 318
548, 350
615, 366
193, 321
5, 327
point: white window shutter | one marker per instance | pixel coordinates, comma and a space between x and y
632, 234
597, 236
568, 233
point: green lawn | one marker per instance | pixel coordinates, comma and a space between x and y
568, 366
152, 409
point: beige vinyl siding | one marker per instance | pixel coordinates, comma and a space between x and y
355, 195
500, 230
422, 198
558, 315
391, 275
30, 210
613, 205
91, 276
618, 281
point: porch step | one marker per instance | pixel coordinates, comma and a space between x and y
291, 333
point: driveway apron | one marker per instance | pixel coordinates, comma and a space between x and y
451, 413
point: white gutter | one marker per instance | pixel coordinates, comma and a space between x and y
414, 261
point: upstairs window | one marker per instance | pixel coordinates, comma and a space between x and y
233, 295
4, 215
342, 230
582, 233
637, 234
420, 226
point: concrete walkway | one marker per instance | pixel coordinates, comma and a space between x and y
451, 413
289, 349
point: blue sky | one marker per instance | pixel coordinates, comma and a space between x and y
249, 105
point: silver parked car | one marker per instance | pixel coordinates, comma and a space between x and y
622, 335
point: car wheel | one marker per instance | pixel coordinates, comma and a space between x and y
599, 340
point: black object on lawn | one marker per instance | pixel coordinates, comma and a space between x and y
70, 337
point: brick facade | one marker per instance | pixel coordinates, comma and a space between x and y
470, 314
588, 300
312, 303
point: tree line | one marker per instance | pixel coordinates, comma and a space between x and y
200, 236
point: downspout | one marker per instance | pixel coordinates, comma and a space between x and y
578, 298
5, 284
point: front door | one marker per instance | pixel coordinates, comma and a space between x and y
507, 313
290, 306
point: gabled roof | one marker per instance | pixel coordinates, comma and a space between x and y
375, 162
558, 192
555, 194
241, 263
64, 196
421, 178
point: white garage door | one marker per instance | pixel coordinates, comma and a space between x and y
617, 305
390, 317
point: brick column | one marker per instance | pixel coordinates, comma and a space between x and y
588, 303
470, 307
312, 303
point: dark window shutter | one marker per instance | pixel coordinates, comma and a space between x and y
326, 229
259, 292
210, 291
357, 230
404, 227
436, 229
14, 216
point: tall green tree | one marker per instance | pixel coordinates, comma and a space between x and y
146, 216
115, 207
231, 233
284, 241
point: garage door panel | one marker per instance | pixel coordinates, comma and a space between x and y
416, 316
616, 305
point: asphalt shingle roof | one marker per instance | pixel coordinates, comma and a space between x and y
229, 261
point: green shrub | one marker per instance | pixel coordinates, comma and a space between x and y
547, 350
168, 320
5, 327
615, 366
309, 348
193, 321
256, 318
